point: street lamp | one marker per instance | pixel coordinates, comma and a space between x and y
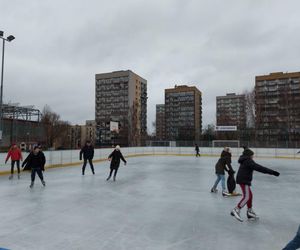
8, 39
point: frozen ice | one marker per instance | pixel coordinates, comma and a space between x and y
161, 202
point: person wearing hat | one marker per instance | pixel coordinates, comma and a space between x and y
88, 154
16, 156
115, 157
35, 161
244, 179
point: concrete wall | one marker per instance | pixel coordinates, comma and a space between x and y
69, 157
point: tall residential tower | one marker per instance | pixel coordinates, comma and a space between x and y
121, 97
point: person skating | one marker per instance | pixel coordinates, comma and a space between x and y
115, 157
88, 154
294, 243
16, 156
224, 163
244, 179
36, 161
197, 150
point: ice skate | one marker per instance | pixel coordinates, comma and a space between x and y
214, 190
31, 185
19, 176
236, 213
108, 178
44, 183
226, 194
11, 177
251, 214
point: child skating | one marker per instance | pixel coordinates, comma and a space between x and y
224, 163
16, 156
115, 157
36, 162
244, 179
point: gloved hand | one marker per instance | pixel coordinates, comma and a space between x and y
276, 173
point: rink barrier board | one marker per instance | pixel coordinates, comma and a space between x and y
74, 164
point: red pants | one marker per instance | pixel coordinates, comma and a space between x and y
247, 197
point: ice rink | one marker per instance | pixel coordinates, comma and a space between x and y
161, 202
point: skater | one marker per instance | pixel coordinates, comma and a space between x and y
197, 150
88, 154
16, 156
295, 243
224, 163
244, 179
114, 159
36, 161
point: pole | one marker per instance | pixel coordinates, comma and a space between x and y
1, 94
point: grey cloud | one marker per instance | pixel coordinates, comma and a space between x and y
219, 46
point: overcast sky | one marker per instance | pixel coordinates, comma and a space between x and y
218, 46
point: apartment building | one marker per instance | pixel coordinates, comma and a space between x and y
231, 110
183, 113
277, 105
160, 122
121, 96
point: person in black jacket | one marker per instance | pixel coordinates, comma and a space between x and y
294, 243
115, 157
197, 150
223, 164
36, 162
244, 179
88, 154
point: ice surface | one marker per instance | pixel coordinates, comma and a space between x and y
157, 203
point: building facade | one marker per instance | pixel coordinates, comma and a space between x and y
121, 97
160, 122
231, 110
277, 105
183, 113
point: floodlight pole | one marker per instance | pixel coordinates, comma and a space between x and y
9, 39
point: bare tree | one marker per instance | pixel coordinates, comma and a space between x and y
56, 129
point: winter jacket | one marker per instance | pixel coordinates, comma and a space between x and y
247, 166
224, 163
15, 154
197, 148
87, 152
116, 156
35, 161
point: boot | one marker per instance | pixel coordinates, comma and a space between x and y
214, 190
251, 214
31, 184
44, 183
236, 213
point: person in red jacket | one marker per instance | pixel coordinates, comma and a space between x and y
16, 156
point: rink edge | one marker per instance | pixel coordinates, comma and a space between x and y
74, 164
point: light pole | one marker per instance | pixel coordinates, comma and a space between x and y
8, 39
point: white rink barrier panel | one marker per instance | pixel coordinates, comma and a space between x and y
71, 157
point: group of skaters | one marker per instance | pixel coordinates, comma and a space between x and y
87, 154
36, 161
243, 178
